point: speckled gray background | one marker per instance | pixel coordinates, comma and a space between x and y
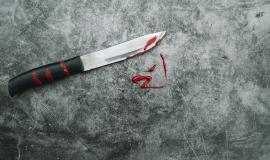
216, 105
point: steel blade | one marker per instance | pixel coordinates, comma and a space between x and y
121, 51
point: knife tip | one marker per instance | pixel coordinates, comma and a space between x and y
161, 34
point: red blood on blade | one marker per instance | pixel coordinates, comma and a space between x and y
164, 64
146, 79
151, 69
150, 41
158, 42
136, 54
145, 49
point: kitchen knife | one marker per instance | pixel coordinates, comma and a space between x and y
55, 71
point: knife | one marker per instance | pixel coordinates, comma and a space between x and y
56, 71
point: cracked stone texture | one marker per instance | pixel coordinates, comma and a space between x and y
216, 103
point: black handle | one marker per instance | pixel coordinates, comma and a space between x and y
44, 74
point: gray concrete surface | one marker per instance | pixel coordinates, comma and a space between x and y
215, 106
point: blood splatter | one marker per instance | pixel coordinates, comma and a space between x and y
151, 69
164, 64
35, 78
146, 79
144, 87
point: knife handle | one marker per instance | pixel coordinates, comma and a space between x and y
44, 74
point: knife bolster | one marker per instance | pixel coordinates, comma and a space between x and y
44, 74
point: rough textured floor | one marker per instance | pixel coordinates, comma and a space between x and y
216, 105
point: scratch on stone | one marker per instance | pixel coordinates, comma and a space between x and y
267, 86
22, 103
227, 144
18, 149
204, 146
189, 144
14, 11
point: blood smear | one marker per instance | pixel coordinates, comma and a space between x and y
136, 54
146, 79
145, 49
150, 41
164, 64
151, 69
158, 42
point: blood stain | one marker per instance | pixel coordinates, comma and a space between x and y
164, 64
149, 42
78, 98
146, 79
158, 42
151, 69
136, 54
145, 49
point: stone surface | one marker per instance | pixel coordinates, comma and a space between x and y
216, 103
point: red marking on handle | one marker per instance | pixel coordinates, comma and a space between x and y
35, 78
48, 74
164, 64
150, 41
146, 79
151, 69
64, 67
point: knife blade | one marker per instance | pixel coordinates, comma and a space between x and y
58, 70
